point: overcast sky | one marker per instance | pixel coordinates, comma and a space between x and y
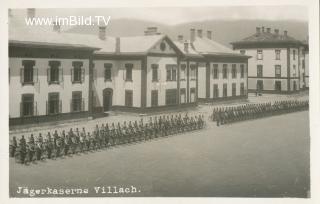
176, 15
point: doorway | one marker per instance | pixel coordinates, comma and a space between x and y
107, 99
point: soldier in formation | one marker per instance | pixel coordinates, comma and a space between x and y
75, 141
224, 115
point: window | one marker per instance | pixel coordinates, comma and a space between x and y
54, 74
28, 74
243, 52
171, 96
215, 91
259, 71
277, 54
234, 71
53, 104
277, 86
77, 73
183, 72
27, 106
234, 89
193, 72
225, 90
77, 103
129, 68
107, 72
171, 72
192, 95
154, 98
259, 54
215, 71
242, 89
182, 95
154, 68
242, 70
294, 73
294, 54
128, 98
278, 71
225, 71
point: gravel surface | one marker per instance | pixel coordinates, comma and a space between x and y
267, 157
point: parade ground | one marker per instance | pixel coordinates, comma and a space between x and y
267, 157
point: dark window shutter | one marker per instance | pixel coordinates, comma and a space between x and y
82, 105
22, 75
35, 108
47, 107
35, 75
21, 109
48, 75
72, 77
82, 75
60, 106
60, 75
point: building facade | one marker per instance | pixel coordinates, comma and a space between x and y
222, 73
57, 75
276, 65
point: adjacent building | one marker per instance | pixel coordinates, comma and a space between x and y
277, 64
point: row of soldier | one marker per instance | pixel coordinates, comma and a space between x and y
225, 115
74, 141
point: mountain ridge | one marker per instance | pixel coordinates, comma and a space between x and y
223, 30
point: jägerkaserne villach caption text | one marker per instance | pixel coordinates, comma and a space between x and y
96, 190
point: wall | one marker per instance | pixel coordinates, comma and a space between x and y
42, 88
162, 84
118, 83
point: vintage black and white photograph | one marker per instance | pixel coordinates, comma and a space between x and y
203, 101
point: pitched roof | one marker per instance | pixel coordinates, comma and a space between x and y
20, 33
267, 37
210, 47
191, 52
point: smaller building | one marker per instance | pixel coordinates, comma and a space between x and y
277, 61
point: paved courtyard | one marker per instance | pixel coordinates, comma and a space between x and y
267, 157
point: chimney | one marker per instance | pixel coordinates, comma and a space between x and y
192, 35
31, 13
56, 27
9, 12
276, 31
186, 46
209, 34
151, 31
199, 33
258, 30
268, 30
285, 33
262, 29
102, 32
180, 38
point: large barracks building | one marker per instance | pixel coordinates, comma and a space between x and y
57, 75
278, 63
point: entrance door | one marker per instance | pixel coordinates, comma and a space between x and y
294, 85
259, 85
278, 86
107, 99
